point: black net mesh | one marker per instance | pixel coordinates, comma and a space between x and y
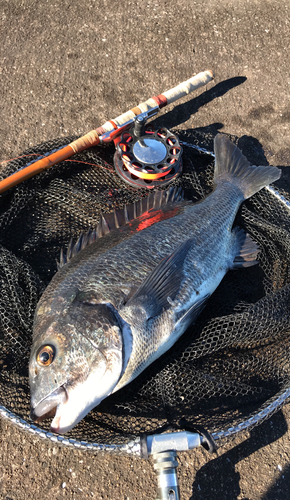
229, 365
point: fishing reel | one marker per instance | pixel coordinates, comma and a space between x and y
146, 156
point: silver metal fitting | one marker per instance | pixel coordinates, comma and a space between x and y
165, 465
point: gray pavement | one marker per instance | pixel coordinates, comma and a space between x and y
66, 67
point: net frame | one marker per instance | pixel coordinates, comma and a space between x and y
132, 444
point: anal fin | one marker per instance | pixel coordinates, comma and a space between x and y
247, 251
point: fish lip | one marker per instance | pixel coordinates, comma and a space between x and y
48, 404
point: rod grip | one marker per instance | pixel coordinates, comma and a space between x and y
86, 141
188, 86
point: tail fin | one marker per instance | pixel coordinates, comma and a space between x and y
232, 166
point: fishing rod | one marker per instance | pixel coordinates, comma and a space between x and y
143, 156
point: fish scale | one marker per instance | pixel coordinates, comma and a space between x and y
119, 302
156, 242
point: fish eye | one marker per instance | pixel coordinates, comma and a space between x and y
45, 355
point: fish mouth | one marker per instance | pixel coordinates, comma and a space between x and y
48, 406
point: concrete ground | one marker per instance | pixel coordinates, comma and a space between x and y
66, 67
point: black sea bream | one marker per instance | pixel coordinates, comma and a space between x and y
123, 300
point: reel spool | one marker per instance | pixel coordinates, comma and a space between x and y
147, 157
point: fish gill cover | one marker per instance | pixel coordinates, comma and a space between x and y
235, 358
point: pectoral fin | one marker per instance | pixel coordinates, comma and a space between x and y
161, 287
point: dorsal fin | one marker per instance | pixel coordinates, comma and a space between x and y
120, 217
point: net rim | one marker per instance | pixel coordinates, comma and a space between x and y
133, 445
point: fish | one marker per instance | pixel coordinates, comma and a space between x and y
125, 292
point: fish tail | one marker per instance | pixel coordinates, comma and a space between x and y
231, 166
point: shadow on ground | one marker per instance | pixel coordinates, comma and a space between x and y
280, 489
183, 112
218, 479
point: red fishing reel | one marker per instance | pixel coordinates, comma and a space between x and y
147, 157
